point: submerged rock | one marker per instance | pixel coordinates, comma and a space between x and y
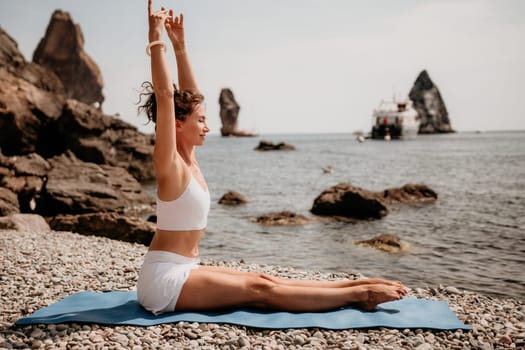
284, 218
387, 242
270, 146
409, 194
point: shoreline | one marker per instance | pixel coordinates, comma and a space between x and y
41, 268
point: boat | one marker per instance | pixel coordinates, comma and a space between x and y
394, 120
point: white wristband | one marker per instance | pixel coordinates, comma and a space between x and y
153, 43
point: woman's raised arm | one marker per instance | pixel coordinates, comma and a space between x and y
165, 140
175, 30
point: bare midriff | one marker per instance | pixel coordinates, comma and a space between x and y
181, 242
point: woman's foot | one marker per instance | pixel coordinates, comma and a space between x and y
377, 293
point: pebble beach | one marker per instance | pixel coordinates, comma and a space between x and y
40, 268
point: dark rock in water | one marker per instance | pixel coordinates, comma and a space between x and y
430, 106
270, 146
284, 218
232, 198
409, 194
348, 201
76, 187
387, 242
229, 113
110, 225
62, 50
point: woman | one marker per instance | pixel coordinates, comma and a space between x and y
170, 278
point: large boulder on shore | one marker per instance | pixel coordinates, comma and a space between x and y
24, 222
62, 51
8, 202
76, 187
430, 106
23, 177
110, 225
346, 200
98, 138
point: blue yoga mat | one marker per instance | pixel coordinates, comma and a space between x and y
122, 308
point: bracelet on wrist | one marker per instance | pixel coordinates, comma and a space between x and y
154, 43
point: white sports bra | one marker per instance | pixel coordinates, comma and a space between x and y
188, 212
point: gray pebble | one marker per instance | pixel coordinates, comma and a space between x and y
243, 342
424, 346
189, 334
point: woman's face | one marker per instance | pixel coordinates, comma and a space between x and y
194, 128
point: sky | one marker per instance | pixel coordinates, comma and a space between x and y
304, 66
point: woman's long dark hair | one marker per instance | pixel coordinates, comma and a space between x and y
185, 101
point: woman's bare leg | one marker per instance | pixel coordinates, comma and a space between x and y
306, 283
206, 289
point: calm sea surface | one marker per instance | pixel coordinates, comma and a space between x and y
473, 237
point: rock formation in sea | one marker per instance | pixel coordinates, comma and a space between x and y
62, 51
229, 113
62, 158
430, 106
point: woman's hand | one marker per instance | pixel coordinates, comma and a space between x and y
175, 30
156, 22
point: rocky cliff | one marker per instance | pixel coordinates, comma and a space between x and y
62, 51
61, 157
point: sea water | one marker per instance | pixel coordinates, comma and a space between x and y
472, 237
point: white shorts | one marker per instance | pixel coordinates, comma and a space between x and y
161, 279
